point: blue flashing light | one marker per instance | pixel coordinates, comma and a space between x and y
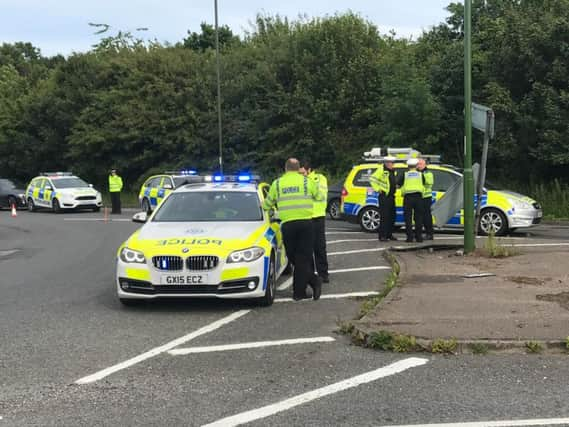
218, 178
244, 178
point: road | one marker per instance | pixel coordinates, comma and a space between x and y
72, 355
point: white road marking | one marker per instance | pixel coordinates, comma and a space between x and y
349, 270
331, 242
511, 423
357, 251
285, 285
98, 219
341, 232
335, 296
247, 345
8, 252
266, 411
536, 245
163, 348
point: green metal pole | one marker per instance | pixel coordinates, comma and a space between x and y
468, 177
217, 66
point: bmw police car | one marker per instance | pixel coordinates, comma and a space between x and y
501, 211
206, 239
61, 190
157, 187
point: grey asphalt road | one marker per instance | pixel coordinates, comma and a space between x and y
60, 321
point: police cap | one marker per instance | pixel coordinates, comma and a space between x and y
412, 162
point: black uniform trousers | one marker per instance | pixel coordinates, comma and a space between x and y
320, 256
427, 215
116, 202
386, 215
413, 211
298, 240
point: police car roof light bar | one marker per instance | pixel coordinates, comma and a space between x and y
400, 154
183, 172
56, 174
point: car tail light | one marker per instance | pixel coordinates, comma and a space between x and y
344, 192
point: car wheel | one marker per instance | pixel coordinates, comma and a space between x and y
493, 221
128, 302
55, 206
269, 297
369, 219
146, 206
31, 206
334, 209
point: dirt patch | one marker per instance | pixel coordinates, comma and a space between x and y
523, 280
561, 298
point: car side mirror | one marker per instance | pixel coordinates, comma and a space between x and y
140, 217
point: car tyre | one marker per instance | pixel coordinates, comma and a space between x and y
334, 209
56, 207
128, 302
493, 219
369, 219
31, 205
146, 206
269, 298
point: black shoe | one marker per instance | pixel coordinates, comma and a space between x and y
383, 239
393, 238
300, 297
325, 279
409, 240
316, 288
429, 237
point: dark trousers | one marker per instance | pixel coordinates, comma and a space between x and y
386, 215
427, 215
320, 256
413, 207
116, 202
298, 241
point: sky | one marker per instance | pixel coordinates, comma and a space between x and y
61, 26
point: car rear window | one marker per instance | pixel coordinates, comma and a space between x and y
361, 179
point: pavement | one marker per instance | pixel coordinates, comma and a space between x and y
71, 355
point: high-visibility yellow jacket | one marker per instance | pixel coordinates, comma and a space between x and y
428, 181
413, 183
380, 180
293, 195
115, 183
322, 184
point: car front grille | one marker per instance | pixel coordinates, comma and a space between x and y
168, 263
86, 198
201, 262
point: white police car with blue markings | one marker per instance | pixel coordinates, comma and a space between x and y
206, 239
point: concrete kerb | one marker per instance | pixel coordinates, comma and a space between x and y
362, 334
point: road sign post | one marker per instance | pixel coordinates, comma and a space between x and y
483, 120
468, 176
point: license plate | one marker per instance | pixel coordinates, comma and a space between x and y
539, 214
184, 279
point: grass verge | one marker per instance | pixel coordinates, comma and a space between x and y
493, 248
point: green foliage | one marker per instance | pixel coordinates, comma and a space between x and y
404, 343
381, 340
444, 346
494, 249
567, 343
534, 347
479, 348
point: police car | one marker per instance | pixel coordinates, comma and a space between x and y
61, 190
157, 187
206, 239
501, 211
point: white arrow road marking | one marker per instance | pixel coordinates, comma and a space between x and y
266, 411
163, 348
247, 345
512, 423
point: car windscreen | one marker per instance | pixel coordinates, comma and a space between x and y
210, 206
6, 184
69, 183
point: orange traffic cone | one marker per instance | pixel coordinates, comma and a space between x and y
14, 212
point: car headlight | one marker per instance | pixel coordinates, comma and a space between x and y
246, 255
520, 204
132, 256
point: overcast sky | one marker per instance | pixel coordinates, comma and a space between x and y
61, 26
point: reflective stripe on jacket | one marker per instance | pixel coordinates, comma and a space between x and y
380, 180
322, 184
293, 195
413, 183
115, 183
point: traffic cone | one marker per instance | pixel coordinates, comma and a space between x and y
14, 212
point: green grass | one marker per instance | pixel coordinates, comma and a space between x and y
493, 248
443, 346
553, 197
533, 347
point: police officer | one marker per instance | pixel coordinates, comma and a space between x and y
428, 181
318, 219
294, 195
412, 189
115, 188
384, 182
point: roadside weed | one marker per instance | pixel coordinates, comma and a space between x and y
345, 327
369, 304
479, 348
443, 346
567, 343
404, 343
494, 249
533, 347
381, 340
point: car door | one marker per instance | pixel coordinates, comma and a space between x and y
443, 180
38, 193
48, 192
165, 187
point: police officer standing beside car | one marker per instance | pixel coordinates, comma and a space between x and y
294, 194
412, 189
384, 182
428, 181
115, 188
318, 219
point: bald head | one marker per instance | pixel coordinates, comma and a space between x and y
292, 165
422, 164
